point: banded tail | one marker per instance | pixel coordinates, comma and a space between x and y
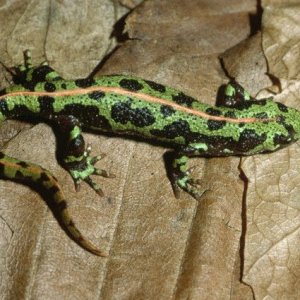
25, 172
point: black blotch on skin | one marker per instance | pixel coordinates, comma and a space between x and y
130, 84
280, 120
40, 73
71, 223
30, 85
249, 139
45, 177
63, 86
22, 80
84, 82
230, 114
23, 164
123, 113
20, 175
19, 110
215, 125
4, 108
36, 75
290, 129
2, 155
46, 105
42, 179
213, 111
183, 99
167, 111
243, 105
88, 115
261, 102
216, 143
53, 189
76, 146
173, 130
96, 95
262, 115
281, 139
156, 86
282, 107
49, 87
62, 205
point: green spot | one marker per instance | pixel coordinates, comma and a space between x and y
246, 96
22, 68
183, 182
83, 173
181, 163
199, 146
229, 90
2, 117
29, 76
52, 75
71, 158
227, 151
10, 104
31, 103
74, 133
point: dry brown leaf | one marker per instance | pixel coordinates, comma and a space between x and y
281, 39
273, 207
273, 216
61, 27
160, 247
248, 55
130, 3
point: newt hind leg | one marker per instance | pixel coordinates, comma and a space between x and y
235, 95
181, 178
181, 174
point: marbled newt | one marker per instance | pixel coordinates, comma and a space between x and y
122, 104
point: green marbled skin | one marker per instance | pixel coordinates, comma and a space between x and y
128, 105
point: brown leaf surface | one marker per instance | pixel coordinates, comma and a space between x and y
160, 247
272, 254
130, 3
273, 216
250, 54
281, 38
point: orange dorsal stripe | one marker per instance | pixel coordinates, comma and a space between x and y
141, 96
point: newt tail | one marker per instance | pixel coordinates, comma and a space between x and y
15, 169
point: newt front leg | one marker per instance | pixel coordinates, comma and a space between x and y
76, 156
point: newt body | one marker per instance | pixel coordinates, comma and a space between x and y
122, 104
